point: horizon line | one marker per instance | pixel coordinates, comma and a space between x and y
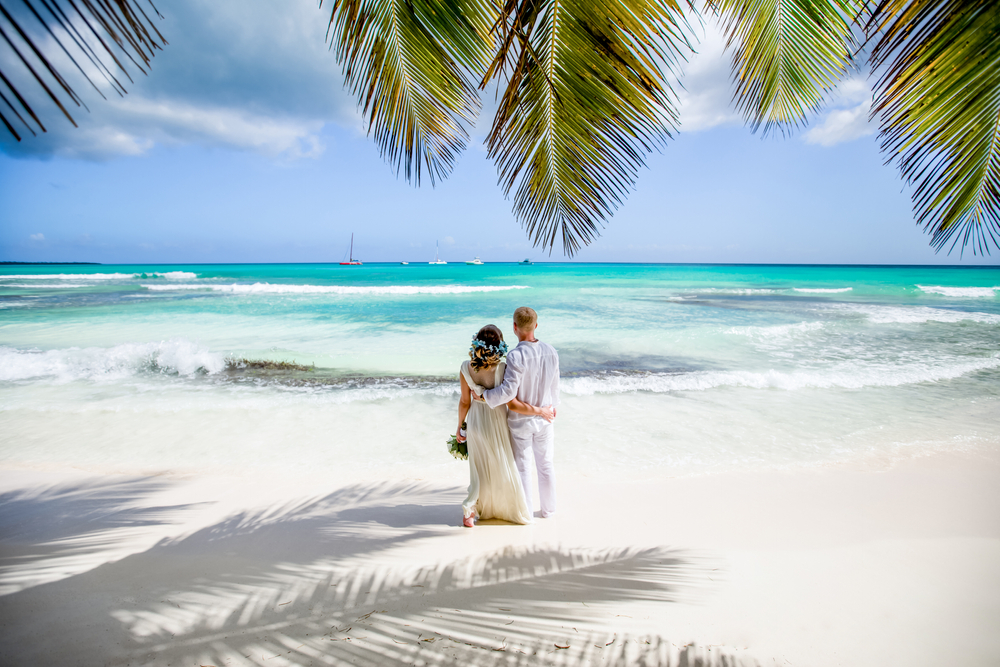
512, 262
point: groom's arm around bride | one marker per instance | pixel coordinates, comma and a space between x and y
532, 376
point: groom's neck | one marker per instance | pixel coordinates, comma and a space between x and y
525, 336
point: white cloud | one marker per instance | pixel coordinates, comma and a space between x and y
265, 81
853, 90
175, 121
706, 99
37, 237
841, 125
262, 80
448, 240
847, 120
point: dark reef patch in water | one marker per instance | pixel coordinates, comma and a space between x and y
290, 374
266, 365
577, 362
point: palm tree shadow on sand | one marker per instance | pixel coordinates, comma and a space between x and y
50, 533
307, 584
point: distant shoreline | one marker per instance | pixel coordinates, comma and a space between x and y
53, 263
537, 263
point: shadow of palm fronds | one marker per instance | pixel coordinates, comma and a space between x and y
322, 582
54, 532
516, 606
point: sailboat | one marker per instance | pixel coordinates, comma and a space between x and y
352, 262
437, 260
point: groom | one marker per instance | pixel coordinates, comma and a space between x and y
532, 376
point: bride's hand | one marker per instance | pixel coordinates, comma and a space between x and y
458, 436
547, 413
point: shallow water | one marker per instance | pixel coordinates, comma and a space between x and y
667, 369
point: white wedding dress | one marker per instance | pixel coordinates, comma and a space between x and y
495, 490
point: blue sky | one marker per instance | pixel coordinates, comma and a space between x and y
242, 146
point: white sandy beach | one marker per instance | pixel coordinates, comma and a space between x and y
891, 565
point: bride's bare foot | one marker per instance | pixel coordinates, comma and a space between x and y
469, 521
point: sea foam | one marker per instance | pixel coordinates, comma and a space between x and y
847, 377
916, 314
746, 291
72, 276
967, 292
270, 288
821, 290
37, 286
169, 275
180, 357
775, 331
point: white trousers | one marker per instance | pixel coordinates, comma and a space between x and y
540, 445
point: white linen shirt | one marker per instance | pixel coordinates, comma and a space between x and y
532, 375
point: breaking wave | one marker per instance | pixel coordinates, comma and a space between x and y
960, 291
819, 290
168, 275
916, 314
734, 291
72, 276
849, 377
32, 286
173, 357
776, 331
269, 288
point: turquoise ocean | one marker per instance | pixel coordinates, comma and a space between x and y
667, 370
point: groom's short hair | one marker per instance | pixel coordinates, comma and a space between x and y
525, 318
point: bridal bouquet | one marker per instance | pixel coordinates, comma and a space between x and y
460, 450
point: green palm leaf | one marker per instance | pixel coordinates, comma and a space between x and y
413, 65
119, 27
788, 54
586, 99
938, 98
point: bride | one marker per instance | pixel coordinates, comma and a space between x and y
495, 490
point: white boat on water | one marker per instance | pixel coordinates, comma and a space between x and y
526, 262
476, 261
404, 263
351, 261
437, 260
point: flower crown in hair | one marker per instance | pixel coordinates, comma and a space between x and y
500, 350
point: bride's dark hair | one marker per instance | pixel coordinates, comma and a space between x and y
489, 350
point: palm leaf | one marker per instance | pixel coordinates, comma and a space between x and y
413, 65
115, 25
586, 100
788, 54
938, 98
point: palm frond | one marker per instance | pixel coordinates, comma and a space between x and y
788, 54
413, 65
97, 29
938, 99
586, 100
